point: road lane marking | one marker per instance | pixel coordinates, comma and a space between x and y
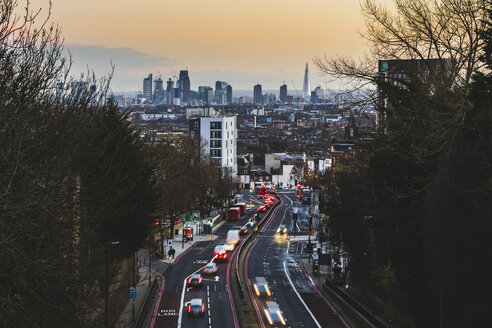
180, 317
300, 298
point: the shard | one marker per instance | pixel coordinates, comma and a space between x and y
306, 89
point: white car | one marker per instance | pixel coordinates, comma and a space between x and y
229, 247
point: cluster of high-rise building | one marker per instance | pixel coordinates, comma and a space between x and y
154, 92
177, 91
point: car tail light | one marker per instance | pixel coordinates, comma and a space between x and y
189, 281
200, 280
225, 256
189, 308
203, 309
216, 256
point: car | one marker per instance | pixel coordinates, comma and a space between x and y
196, 307
220, 254
244, 230
261, 287
262, 209
282, 229
195, 280
210, 268
260, 196
273, 314
229, 247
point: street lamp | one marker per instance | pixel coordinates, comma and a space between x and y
106, 292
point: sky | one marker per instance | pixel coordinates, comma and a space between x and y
242, 42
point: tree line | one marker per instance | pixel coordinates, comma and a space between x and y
413, 208
76, 179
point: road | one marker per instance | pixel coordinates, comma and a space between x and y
219, 306
277, 258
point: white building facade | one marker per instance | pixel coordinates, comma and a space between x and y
219, 136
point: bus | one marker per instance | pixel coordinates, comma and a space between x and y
242, 207
234, 214
306, 196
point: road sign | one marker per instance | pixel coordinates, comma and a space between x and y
133, 293
169, 243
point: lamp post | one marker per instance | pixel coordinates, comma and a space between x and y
106, 292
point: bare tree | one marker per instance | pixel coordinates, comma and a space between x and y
448, 30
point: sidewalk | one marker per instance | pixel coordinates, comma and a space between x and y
129, 314
125, 319
181, 249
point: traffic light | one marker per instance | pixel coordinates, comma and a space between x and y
250, 191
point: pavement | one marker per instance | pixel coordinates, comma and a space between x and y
129, 314
181, 248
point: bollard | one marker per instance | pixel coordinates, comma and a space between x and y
210, 237
170, 259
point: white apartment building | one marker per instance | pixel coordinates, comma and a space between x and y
219, 136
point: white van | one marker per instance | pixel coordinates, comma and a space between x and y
232, 237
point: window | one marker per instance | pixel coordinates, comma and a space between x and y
215, 134
196, 125
216, 144
215, 125
215, 153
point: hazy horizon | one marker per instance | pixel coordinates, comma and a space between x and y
240, 42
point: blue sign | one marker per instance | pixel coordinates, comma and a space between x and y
133, 293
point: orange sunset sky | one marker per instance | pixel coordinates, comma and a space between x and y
242, 42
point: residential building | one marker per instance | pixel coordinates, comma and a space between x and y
219, 135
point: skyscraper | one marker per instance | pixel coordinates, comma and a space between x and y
258, 94
158, 91
306, 89
170, 91
229, 94
283, 93
147, 88
205, 94
184, 85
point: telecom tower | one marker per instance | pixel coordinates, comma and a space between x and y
306, 89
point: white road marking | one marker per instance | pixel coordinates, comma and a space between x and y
300, 298
180, 317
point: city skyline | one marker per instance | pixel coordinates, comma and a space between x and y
217, 40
